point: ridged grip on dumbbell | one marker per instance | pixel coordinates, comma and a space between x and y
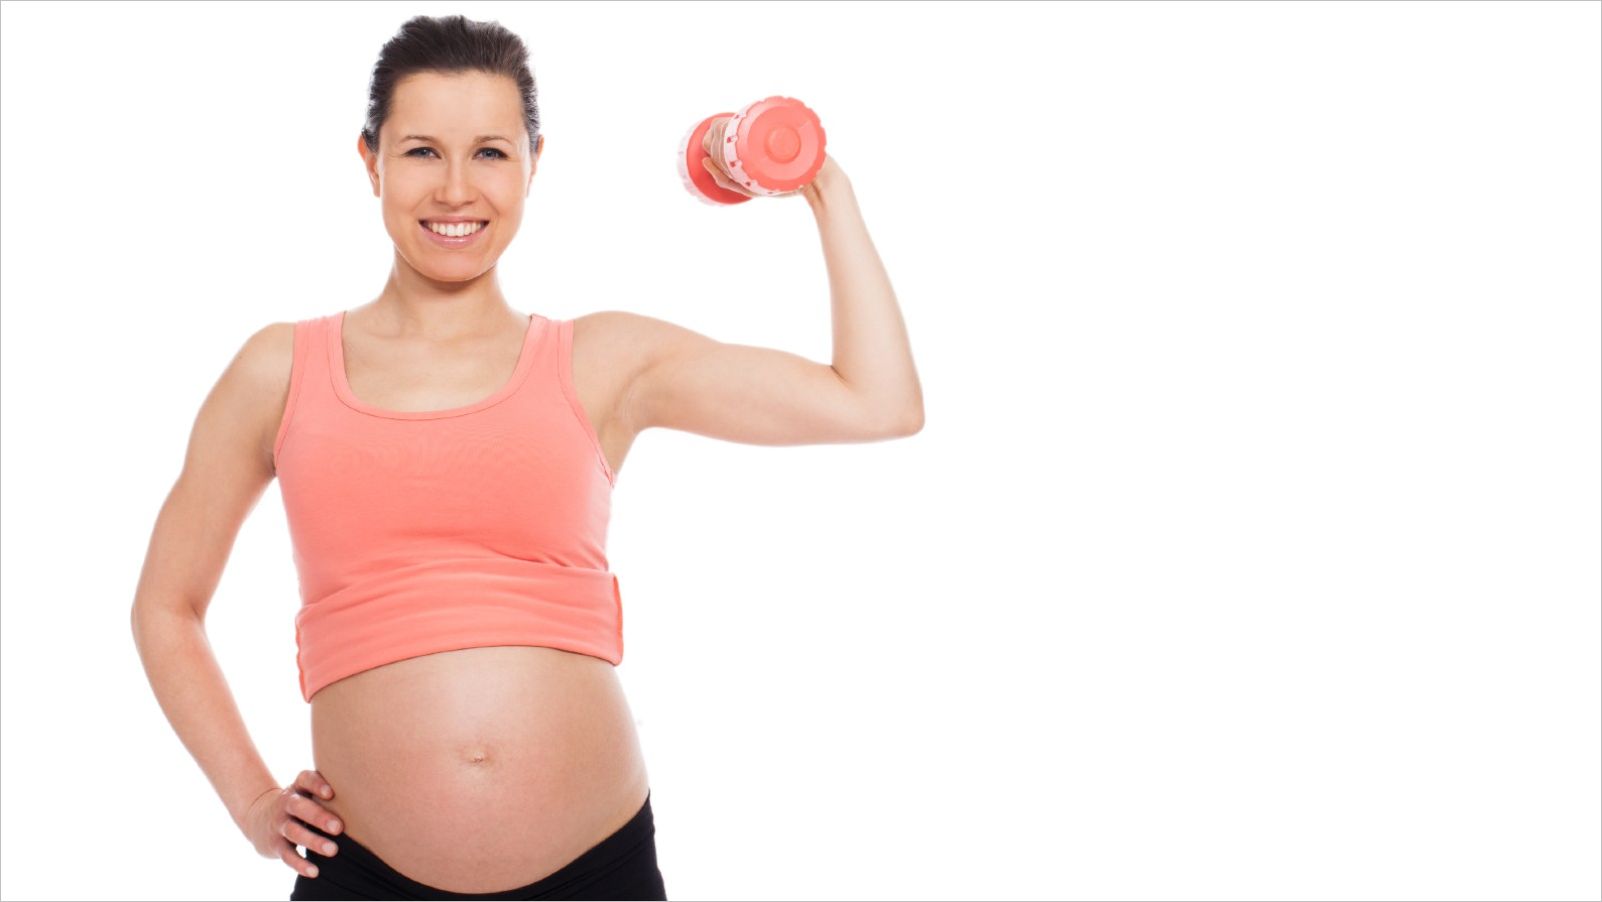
773, 146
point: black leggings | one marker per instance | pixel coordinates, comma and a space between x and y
621, 866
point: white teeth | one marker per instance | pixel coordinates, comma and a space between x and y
454, 229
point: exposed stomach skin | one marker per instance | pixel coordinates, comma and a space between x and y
482, 769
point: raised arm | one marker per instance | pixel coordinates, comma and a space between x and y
685, 380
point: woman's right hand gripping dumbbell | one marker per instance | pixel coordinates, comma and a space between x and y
276, 822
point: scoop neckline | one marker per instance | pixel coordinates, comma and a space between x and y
336, 367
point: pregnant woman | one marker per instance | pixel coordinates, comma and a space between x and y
447, 466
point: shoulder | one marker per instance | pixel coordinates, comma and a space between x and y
623, 352
634, 338
239, 415
613, 325
260, 374
268, 340
264, 360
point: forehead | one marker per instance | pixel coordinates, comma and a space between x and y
459, 104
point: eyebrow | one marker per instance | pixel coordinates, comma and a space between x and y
476, 140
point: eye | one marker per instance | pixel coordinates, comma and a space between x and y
431, 150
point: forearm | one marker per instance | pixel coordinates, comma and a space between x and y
194, 695
871, 350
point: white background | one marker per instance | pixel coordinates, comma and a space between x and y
1250, 550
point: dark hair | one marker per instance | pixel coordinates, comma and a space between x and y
450, 44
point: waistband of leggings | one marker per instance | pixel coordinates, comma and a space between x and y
640, 829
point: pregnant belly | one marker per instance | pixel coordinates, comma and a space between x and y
483, 769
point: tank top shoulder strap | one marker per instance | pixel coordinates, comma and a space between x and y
562, 347
559, 366
542, 352
552, 351
308, 375
549, 391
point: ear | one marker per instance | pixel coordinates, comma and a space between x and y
539, 148
369, 162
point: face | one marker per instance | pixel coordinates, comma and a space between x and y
435, 162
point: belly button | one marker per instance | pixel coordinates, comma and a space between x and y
476, 756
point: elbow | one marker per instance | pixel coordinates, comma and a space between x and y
909, 423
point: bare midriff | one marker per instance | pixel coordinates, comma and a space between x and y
482, 769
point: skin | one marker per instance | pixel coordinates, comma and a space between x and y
438, 294
441, 311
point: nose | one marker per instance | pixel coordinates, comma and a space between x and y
457, 189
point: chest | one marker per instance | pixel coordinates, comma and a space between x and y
395, 451
417, 378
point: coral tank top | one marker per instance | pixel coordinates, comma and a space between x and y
417, 532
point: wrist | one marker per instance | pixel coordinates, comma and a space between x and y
829, 185
242, 813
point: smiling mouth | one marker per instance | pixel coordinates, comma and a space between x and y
482, 223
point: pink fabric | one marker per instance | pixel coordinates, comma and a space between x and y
417, 532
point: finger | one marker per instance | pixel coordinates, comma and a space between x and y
299, 864
297, 833
725, 182
717, 174
312, 783
714, 135
312, 813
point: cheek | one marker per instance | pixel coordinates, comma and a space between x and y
508, 213
398, 210
401, 226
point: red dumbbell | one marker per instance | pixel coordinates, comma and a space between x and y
772, 146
